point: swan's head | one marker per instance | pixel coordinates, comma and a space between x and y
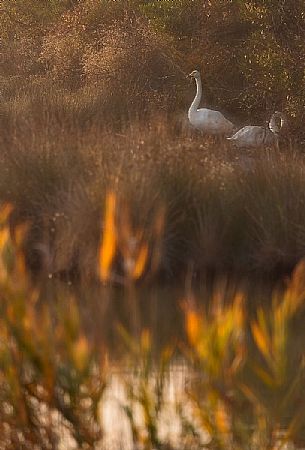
195, 74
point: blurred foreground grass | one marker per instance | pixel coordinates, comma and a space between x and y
245, 363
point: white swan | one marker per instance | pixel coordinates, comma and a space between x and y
204, 119
253, 136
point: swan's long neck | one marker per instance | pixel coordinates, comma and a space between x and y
196, 101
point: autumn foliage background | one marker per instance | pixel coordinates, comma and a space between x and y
114, 58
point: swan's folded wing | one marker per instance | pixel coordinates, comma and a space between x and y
249, 136
241, 134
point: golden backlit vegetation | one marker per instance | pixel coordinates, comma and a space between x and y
248, 379
51, 381
136, 247
245, 364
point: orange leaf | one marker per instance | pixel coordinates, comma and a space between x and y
140, 262
5, 211
192, 326
260, 339
108, 245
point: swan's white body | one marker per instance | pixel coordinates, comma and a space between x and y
252, 136
204, 119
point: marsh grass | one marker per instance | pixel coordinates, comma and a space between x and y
224, 210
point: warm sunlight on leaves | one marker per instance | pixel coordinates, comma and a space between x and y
80, 353
261, 339
140, 262
4, 237
20, 233
217, 337
20, 266
5, 211
222, 419
193, 326
108, 245
295, 292
145, 340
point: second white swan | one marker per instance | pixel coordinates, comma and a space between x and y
253, 136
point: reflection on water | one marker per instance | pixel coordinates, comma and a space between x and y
158, 308
115, 423
243, 346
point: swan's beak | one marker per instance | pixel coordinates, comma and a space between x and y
189, 75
